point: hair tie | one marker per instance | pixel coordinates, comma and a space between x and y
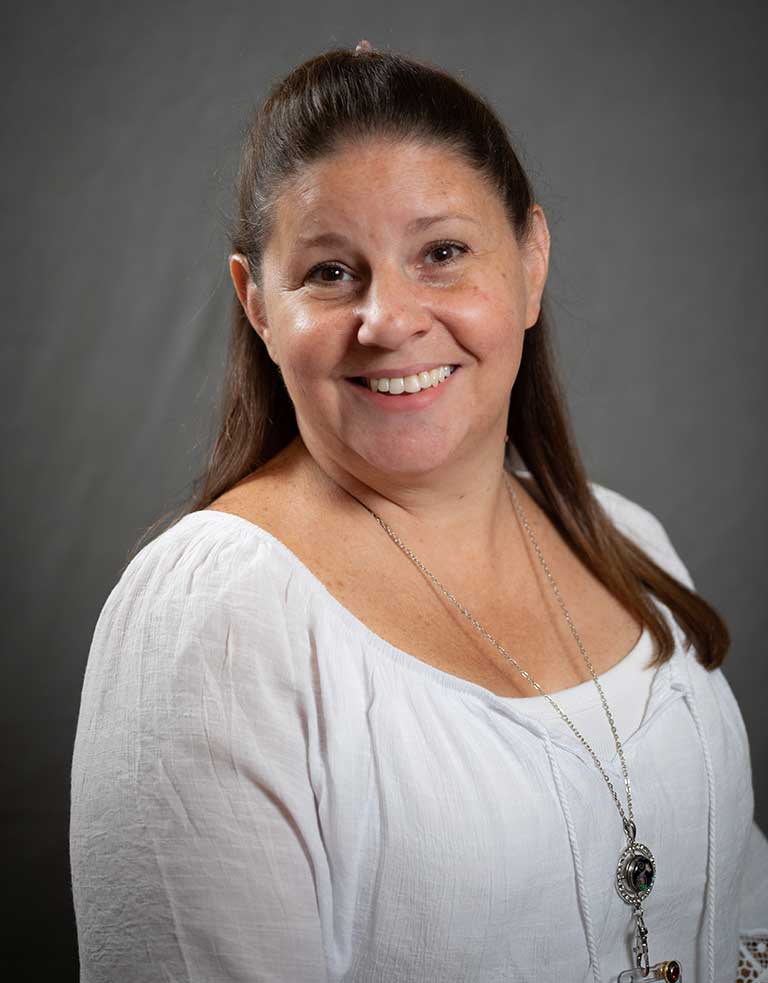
363, 46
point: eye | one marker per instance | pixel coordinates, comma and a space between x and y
441, 248
317, 274
329, 274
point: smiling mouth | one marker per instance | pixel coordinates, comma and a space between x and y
407, 384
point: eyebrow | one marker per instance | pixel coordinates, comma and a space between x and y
417, 225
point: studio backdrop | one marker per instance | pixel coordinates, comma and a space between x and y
643, 128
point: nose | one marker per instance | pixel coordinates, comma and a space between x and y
392, 312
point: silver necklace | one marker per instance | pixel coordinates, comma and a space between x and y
636, 870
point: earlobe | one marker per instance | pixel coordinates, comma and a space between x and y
251, 299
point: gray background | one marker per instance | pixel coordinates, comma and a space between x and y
643, 129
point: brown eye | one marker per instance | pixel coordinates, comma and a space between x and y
442, 250
326, 274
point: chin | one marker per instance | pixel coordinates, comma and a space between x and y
407, 458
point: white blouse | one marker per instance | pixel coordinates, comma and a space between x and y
265, 790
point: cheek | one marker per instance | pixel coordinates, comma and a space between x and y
494, 321
308, 347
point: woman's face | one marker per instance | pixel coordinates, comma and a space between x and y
395, 261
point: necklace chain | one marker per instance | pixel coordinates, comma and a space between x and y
627, 820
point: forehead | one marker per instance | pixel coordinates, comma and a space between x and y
381, 183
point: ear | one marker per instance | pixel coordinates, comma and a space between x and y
252, 299
536, 263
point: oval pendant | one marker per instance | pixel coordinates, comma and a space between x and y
636, 874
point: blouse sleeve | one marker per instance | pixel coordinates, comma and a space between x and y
194, 839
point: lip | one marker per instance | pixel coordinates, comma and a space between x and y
398, 373
406, 402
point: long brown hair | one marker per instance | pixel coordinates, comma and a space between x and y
340, 96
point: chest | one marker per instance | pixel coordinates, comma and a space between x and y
415, 616
510, 597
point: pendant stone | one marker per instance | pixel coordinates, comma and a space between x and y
635, 874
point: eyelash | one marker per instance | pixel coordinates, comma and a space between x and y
430, 249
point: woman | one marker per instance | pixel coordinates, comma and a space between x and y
403, 696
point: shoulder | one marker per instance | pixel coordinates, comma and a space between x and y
200, 641
205, 555
211, 589
638, 524
644, 528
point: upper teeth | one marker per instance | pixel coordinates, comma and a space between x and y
411, 383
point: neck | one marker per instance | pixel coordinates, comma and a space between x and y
467, 507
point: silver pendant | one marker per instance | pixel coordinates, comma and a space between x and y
636, 873
635, 877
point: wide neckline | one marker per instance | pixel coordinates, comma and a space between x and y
579, 696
